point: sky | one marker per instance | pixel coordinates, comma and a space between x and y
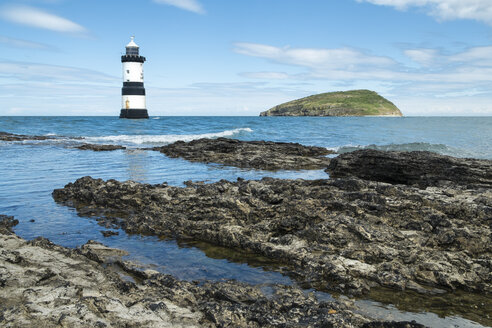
241, 57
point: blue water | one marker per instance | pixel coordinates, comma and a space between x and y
456, 136
30, 170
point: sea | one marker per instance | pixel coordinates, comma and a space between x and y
30, 170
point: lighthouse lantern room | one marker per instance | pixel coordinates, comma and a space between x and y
133, 91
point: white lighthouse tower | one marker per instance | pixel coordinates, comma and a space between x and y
133, 91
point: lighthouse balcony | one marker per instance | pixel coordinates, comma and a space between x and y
132, 58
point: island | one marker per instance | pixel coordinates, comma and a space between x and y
341, 103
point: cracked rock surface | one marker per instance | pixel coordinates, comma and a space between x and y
347, 235
45, 285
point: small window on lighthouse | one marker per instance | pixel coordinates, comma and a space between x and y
128, 71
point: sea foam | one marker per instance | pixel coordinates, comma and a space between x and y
412, 146
163, 138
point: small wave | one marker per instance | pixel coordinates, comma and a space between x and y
412, 146
156, 118
164, 138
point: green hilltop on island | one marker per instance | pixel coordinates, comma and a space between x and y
342, 103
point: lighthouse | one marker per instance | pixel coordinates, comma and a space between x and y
133, 91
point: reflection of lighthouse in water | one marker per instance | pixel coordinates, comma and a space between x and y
133, 91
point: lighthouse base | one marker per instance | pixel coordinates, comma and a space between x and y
134, 113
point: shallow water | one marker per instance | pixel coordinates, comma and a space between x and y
32, 169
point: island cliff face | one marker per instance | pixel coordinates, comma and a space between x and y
343, 103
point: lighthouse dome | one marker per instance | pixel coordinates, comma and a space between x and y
132, 48
132, 44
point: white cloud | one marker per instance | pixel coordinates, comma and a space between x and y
477, 56
25, 71
471, 66
343, 58
463, 93
40, 19
40, 89
227, 98
190, 5
266, 75
469, 60
424, 57
480, 10
18, 43
439, 75
47, 98
469, 106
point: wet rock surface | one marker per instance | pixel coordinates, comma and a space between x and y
419, 168
109, 233
7, 223
347, 235
46, 285
5, 136
265, 155
95, 147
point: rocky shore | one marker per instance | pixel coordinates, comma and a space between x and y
264, 155
5, 136
46, 285
344, 234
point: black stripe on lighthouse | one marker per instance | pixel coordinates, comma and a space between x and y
133, 84
133, 91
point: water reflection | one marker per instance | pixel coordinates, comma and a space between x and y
137, 164
448, 306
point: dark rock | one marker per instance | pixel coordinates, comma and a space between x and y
265, 155
345, 234
5, 136
96, 147
419, 168
109, 233
7, 223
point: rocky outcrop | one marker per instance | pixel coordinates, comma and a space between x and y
265, 155
45, 285
343, 234
417, 168
7, 223
96, 147
5, 136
